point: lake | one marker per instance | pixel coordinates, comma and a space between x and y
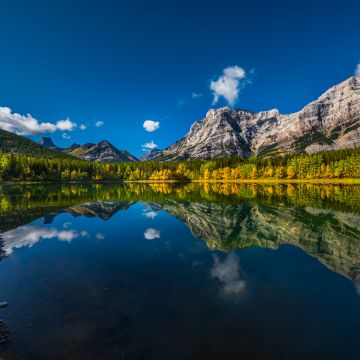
192, 271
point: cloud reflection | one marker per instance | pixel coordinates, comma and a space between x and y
151, 234
150, 214
228, 273
30, 235
100, 236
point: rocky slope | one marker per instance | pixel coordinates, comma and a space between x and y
149, 155
102, 152
331, 122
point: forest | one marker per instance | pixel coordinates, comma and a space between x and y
340, 164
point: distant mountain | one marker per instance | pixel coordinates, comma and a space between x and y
149, 155
329, 123
102, 152
72, 147
49, 144
77, 149
16, 144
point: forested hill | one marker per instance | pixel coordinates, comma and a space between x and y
16, 144
340, 164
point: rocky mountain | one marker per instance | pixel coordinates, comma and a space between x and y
102, 152
149, 155
72, 147
331, 122
49, 144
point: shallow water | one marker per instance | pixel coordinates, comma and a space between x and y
180, 272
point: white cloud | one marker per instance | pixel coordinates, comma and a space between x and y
66, 136
150, 214
99, 123
227, 272
195, 95
150, 145
27, 125
150, 125
151, 234
228, 85
66, 125
357, 70
82, 127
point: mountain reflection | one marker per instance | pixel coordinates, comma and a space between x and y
323, 220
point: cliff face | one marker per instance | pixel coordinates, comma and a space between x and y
48, 143
331, 122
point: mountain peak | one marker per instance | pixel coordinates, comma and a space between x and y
103, 151
105, 142
46, 142
331, 122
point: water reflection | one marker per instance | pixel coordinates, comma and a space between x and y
332, 237
227, 272
4, 332
151, 234
28, 236
150, 214
208, 285
322, 220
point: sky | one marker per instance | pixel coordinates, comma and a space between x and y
139, 73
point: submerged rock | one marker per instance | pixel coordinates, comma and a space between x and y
3, 304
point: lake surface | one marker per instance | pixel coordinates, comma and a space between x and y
212, 271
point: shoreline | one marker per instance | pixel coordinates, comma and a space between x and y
349, 181
345, 181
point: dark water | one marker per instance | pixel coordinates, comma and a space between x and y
180, 272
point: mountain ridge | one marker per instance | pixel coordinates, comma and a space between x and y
103, 151
329, 123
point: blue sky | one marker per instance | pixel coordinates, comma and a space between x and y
119, 63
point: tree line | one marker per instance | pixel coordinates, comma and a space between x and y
326, 165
